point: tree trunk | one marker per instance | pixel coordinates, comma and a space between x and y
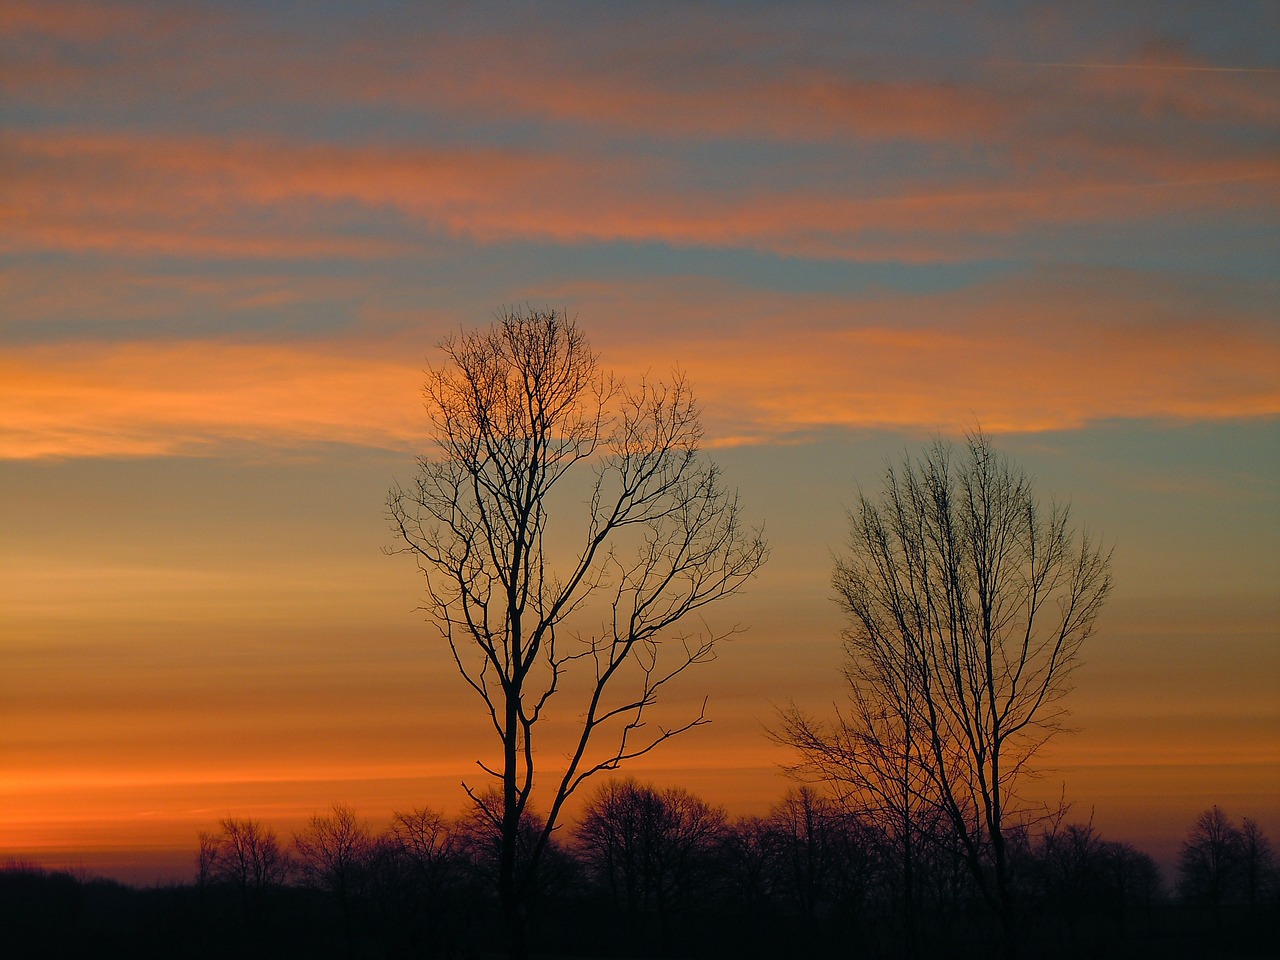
908, 894
1005, 901
517, 935
510, 891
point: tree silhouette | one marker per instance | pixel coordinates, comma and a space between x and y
1132, 880
334, 854
432, 848
1209, 863
1258, 873
873, 756
653, 851
749, 858
422, 886
209, 847
807, 830
515, 409
1069, 871
967, 604
248, 855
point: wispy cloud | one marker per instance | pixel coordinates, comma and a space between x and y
764, 134
1043, 353
189, 397
1050, 354
265, 198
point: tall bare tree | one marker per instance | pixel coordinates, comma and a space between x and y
967, 603
514, 410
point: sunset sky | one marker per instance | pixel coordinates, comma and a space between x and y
231, 235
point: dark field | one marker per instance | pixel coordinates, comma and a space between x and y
57, 915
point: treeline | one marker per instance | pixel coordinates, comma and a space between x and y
650, 872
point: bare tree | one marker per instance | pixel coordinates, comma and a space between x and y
872, 755
749, 858
430, 846
653, 850
1209, 862
478, 833
334, 854
1257, 864
806, 827
514, 410
248, 855
421, 887
207, 859
1132, 880
1068, 864
968, 602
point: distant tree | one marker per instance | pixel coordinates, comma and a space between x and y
967, 603
1258, 873
548, 868
1132, 881
748, 858
430, 845
1209, 862
653, 851
333, 854
422, 887
1083, 885
250, 857
210, 845
515, 409
1069, 865
872, 755
808, 832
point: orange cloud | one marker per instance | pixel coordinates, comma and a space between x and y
801, 104
83, 22
263, 199
686, 90
1050, 352
722, 82
92, 399
622, 76
1008, 375
1042, 354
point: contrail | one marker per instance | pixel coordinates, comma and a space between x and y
1179, 68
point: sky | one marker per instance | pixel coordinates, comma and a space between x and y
233, 234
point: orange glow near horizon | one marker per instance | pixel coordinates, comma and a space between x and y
382, 745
